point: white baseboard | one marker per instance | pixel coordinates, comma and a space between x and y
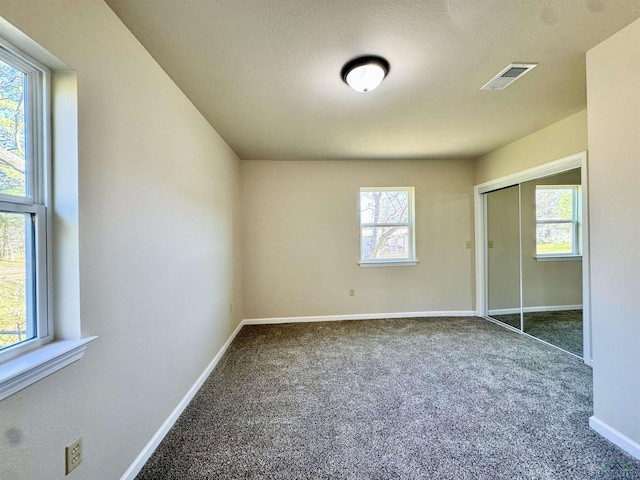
151, 446
358, 316
615, 437
544, 308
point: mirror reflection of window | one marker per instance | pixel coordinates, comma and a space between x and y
557, 220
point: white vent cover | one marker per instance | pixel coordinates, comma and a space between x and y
509, 75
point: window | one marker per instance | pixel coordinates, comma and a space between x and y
28, 349
24, 313
557, 220
387, 226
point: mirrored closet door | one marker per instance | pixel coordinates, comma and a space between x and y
534, 258
503, 255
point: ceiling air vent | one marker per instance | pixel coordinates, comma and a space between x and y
509, 75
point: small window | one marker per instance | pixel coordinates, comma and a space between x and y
387, 225
24, 318
557, 220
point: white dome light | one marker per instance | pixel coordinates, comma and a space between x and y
364, 74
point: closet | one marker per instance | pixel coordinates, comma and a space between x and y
532, 255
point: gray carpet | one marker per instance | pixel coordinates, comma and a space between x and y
560, 328
438, 398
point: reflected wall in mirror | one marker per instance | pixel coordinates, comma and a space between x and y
503, 255
551, 260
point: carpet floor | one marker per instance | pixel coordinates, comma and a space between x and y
436, 398
561, 328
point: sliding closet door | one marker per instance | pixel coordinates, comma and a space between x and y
552, 261
503, 255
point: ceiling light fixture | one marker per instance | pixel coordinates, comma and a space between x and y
364, 74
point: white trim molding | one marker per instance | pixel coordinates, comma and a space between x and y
157, 437
402, 263
557, 258
358, 316
544, 308
551, 168
28, 368
615, 437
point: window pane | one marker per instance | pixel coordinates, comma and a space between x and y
385, 243
388, 206
554, 204
15, 295
12, 131
554, 238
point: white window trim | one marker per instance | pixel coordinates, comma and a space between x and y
576, 244
410, 225
36, 198
557, 258
395, 263
28, 368
43, 320
28, 362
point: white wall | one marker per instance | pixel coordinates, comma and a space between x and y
613, 76
158, 266
301, 238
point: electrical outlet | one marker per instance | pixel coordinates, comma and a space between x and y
352, 292
231, 308
73, 455
490, 243
468, 244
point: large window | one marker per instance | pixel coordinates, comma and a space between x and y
24, 316
386, 225
557, 220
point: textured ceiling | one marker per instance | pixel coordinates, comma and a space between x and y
266, 74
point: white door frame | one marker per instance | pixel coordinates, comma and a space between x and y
577, 160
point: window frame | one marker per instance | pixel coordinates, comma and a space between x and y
574, 222
36, 201
29, 363
410, 225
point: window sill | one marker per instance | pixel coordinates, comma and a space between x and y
401, 263
27, 369
557, 258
